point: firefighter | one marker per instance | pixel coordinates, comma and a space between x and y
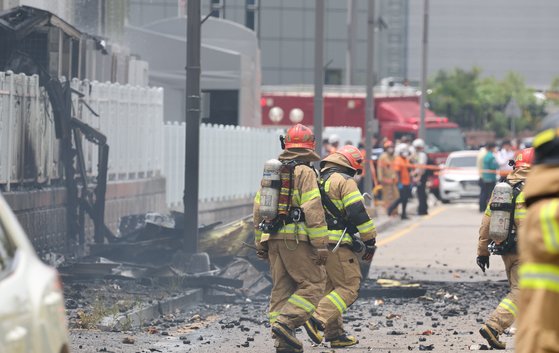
295, 242
401, 167
498, 235
346, 216
538, 321
387, 176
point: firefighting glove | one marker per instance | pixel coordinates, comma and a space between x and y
370, 249
262, 251
483, 262
322, 256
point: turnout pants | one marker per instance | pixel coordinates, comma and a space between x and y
504, 315
298, 283
342, 287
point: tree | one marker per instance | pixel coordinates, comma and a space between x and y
478, 103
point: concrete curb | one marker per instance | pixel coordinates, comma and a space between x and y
139, 316
386, 222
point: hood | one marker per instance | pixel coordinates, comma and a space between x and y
518, 175
300, 154
335, 160
543, 180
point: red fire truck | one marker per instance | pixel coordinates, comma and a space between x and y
396, 111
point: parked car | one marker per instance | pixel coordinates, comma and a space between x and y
32, 315
459, 176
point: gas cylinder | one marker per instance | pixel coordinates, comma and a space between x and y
270, 189
501, 207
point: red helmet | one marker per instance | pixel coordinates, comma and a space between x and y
299, 136
353, 156
524, 158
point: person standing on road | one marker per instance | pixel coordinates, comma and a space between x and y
345, 216
538, 321
295, 242
401, 166
488, 176
421, 174
386, 175
504, 244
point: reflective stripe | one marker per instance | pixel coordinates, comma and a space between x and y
257, 198
257, 235
327, 185
539, 276
310, 195
334, 236
273, 316
520, 214
317, 232
352, 197
520, 198
550, 226
337, 301
302, 303
338, 203
368, 226
293, 228
544, 137
509, 306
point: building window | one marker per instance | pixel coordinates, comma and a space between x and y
251, 8
333, 77
215, 7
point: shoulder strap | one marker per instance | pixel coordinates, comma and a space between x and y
334, 211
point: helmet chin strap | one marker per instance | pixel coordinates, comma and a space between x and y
282, 141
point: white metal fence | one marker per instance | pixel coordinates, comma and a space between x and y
131, 117
231, 160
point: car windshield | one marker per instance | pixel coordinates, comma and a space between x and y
462, 162
444, 140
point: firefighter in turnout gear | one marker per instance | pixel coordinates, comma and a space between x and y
498, 235
538, 320
295, 242
345, 216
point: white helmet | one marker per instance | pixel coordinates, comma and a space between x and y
418, 143
402, 149
333, 139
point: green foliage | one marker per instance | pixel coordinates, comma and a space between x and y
477, 103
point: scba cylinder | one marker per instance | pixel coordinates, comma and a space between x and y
269, 193
501, 207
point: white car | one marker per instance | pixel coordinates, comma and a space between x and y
32, 315
459, 176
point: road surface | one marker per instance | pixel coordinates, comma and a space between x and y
438, 251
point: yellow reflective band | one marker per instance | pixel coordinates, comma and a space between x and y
544, 137
317, 232
352, 197
310, 195
327, 185
550, 226
292, 228
509, 306
257, 235
337, 301
366, 227
302, 303
520, 214
521, 198
257, 198
335, 235
273, 316
539, 276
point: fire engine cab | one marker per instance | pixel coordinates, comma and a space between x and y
397, 113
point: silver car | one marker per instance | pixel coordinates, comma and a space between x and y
32, 316
459, 176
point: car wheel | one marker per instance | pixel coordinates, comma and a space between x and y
445, 201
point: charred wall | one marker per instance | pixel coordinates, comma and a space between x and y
42, 213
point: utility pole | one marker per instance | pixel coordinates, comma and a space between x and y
318, 73
370, 102
423, 99
351, 41
192, 145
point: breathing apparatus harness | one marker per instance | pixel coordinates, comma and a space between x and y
286, 213
508, 246
335, 220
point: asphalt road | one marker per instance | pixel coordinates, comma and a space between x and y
438, 251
